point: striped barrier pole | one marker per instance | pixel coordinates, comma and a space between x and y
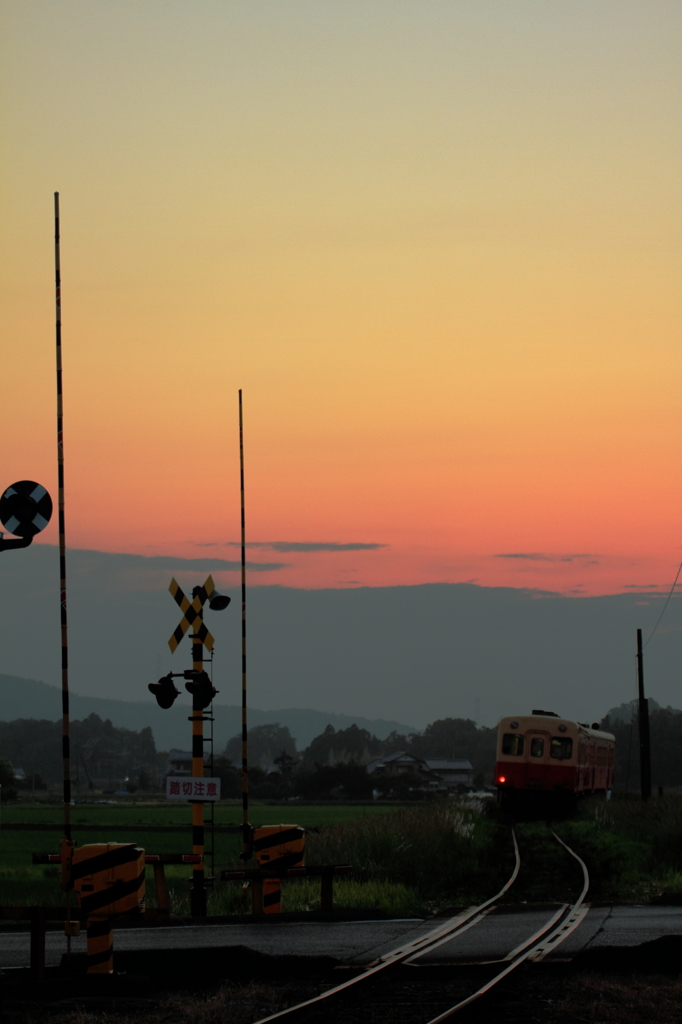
198, 891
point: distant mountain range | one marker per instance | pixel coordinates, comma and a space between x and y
410, 654
29, 698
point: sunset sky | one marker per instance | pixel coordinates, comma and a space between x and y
436, 242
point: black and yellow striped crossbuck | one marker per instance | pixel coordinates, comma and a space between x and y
191, 614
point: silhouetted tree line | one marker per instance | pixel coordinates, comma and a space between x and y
665, 727
334, 763
332, 766
102, 756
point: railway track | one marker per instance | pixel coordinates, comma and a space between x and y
546, 939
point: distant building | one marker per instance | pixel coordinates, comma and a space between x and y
180, 762
455, 772
395, 763
437, 773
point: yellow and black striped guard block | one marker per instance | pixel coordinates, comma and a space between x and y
277, 847
109, 878
191, 614
100, 946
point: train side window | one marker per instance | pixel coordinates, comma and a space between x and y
561, 748
537, 747
512, 744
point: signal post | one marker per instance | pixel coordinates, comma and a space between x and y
198, 893
202, 690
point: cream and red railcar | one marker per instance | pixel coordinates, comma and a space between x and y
543, 753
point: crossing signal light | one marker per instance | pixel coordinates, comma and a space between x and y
201, 688
165, 691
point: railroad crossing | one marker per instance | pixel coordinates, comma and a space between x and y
361, 942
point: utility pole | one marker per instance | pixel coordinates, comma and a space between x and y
247, 834
643, 719
66, 747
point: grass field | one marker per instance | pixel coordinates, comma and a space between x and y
407, 860
167, 813
23, 884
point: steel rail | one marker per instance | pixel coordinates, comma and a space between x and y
448, 930
540, 949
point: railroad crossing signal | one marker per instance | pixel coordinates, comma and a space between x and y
165, 691
25, 510
203, 692
192, 613
202, 689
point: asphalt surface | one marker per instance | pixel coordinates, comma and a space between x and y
360, 942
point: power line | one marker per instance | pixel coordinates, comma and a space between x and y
665, 605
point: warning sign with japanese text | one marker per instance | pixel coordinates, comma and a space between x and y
184, 787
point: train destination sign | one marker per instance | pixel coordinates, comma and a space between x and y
183, 787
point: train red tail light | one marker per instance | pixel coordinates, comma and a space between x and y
502, 778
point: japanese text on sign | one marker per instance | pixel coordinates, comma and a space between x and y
186, 788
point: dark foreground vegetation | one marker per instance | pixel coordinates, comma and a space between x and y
455, 851
619, 988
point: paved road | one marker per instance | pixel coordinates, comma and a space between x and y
362, 941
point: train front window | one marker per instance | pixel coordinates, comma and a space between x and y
537, 747
512, 744
561, 747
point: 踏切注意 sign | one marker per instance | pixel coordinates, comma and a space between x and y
186, 788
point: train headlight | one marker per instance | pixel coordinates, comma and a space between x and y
514, 725
562, 728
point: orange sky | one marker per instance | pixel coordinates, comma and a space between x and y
436, 244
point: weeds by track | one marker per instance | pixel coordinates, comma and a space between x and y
414, 1000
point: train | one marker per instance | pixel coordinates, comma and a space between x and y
542, 756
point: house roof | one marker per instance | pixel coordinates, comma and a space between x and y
400, 757
459, 764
